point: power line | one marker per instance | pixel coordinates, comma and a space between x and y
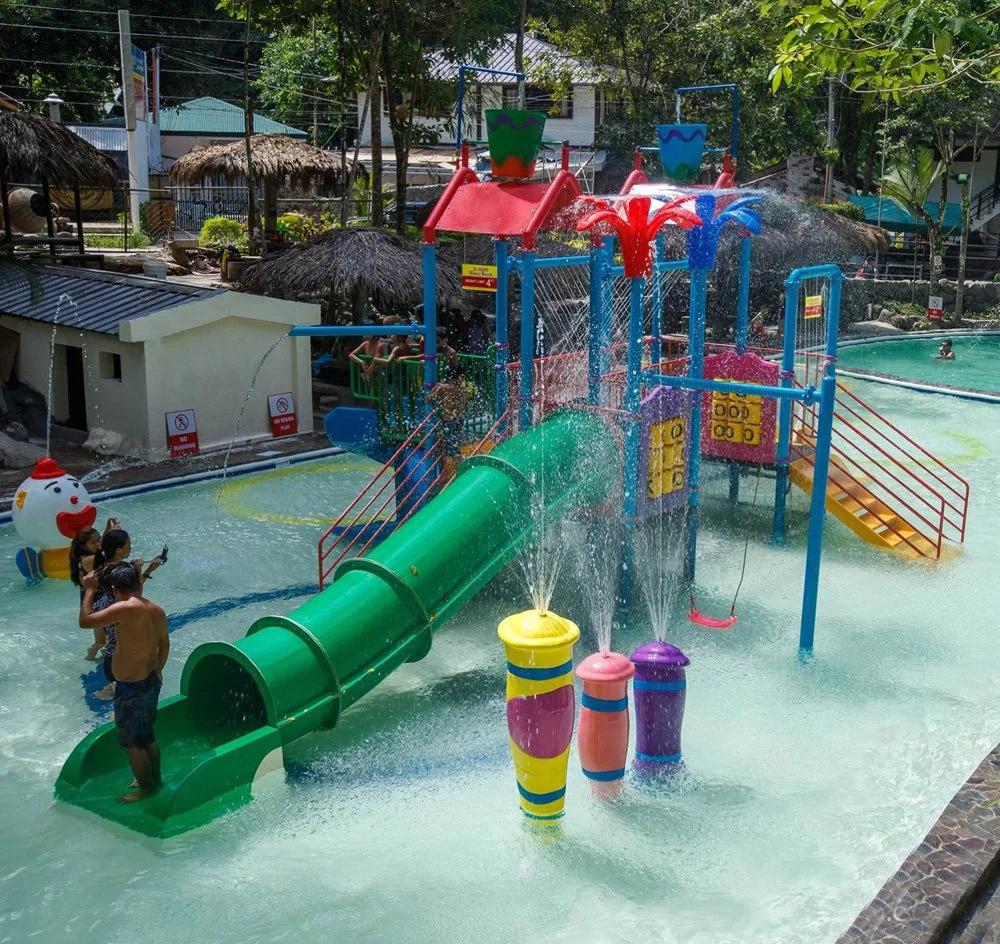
45, 62
138, 16
77, 29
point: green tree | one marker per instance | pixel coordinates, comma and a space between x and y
289, 86
71, 47
651, 48
887, 46
909, 182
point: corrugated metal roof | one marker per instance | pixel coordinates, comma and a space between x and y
536, 53
212, 116
95, 301
109, 140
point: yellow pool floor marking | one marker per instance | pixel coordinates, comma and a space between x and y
232, 502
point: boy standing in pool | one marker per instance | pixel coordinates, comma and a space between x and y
945, 353
138, 661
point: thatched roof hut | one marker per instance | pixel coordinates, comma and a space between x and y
275, 157
350, 263
34, 146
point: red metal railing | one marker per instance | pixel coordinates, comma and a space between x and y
884, 465
362, 524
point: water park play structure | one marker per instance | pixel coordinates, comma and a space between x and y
626, 427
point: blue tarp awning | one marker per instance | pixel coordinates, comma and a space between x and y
887, 213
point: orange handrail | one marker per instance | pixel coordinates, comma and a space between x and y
427, 429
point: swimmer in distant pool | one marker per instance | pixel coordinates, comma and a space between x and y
945, 353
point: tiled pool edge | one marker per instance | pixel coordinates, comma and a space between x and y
941, 879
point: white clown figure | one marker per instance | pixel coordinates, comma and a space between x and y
49, 508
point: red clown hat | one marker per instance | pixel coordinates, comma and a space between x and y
47, 469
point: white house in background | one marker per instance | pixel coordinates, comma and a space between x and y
984, 188
575, 118
128, 350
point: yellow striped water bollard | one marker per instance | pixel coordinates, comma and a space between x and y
541, 705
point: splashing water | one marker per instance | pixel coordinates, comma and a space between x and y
62, 300
659, 546
597, 559
541, 561
243, 407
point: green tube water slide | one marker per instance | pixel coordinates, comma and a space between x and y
240, 704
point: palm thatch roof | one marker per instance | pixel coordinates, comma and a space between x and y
349, 262
275, 157
34, 146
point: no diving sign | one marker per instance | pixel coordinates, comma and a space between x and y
281, 409
182, 433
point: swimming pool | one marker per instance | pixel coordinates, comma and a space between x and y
804, 786
976, 365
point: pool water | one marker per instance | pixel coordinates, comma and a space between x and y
976, 365
803, 785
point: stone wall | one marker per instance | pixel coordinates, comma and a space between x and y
859, 293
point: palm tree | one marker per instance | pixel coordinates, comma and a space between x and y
909, 182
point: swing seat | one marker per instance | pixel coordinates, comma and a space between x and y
710, 622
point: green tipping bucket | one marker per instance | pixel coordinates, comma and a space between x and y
514, 137
681, 150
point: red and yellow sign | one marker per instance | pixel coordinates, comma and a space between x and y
182, 433
479, 278
814, 306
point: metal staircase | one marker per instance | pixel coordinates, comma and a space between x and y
883, 485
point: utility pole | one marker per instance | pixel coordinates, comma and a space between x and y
252, 223
831, 104
128, 99
315, 97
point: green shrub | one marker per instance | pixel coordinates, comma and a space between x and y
115, 241
217, 232
300, 227
850, 210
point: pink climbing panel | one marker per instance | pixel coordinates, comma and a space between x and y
735, 426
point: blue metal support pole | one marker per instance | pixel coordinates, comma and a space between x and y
785, 410
735, 89
430, 317
500, 250
743, 296
633, 394
604, 314
656, 322
807, 395
527, 336
594, 327
561, 262
696, 353
821, 466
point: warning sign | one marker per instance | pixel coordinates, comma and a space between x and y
479, 278
182, 433
814, 306
281, 409
935, 308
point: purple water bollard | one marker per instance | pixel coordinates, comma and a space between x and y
659, 690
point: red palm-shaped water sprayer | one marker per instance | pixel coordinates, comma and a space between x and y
636, 229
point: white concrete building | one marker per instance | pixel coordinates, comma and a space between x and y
129, 350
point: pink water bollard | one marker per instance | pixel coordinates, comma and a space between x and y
604, 725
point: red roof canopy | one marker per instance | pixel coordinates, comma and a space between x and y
508, 208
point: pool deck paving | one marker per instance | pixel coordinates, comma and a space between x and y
947, 891
120, 472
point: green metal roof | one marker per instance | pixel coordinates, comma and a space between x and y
213, 117
887, 213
